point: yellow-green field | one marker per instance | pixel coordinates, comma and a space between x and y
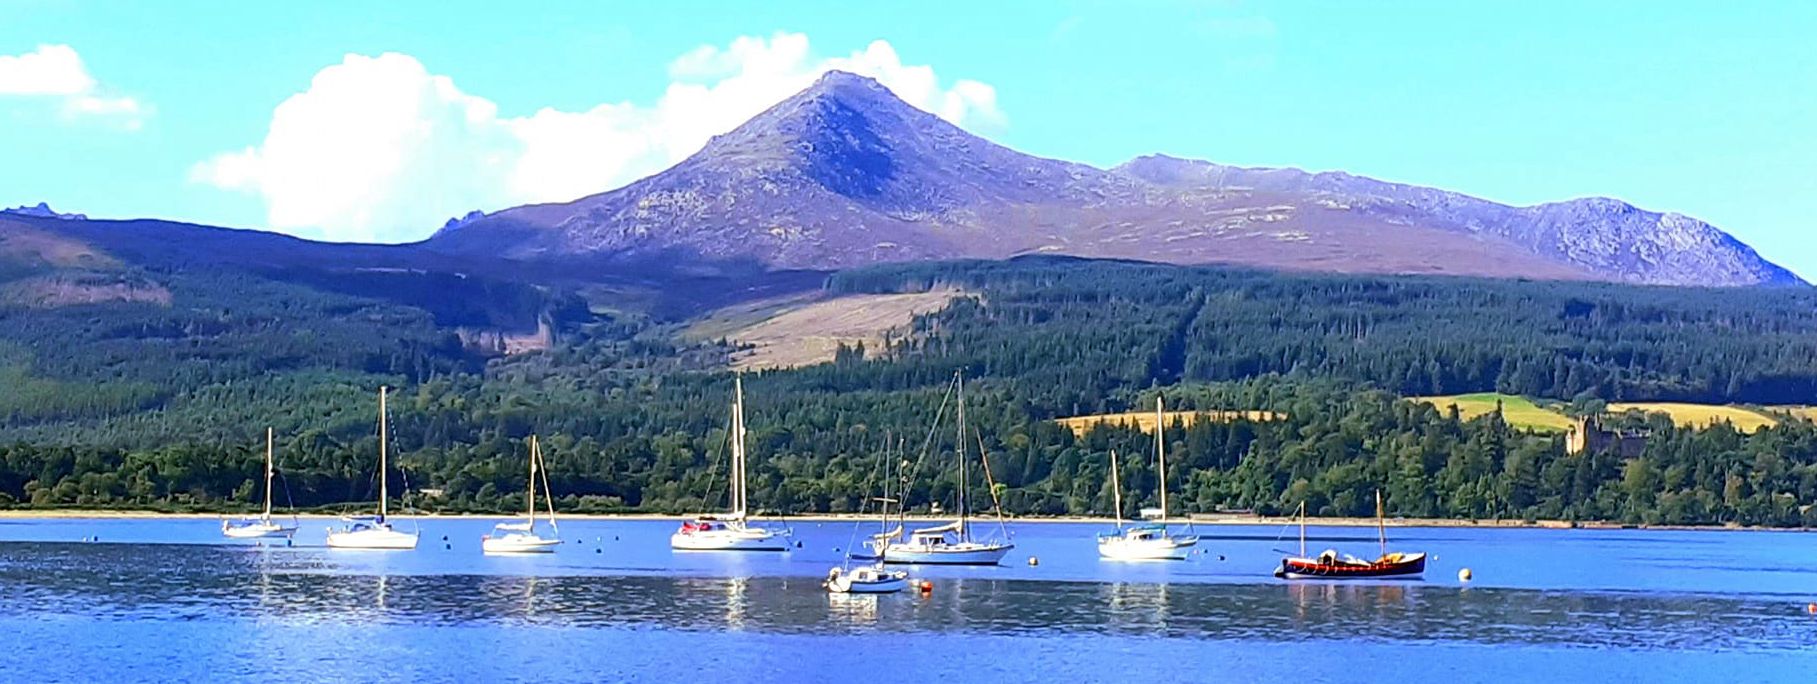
1522, 412
1145, 421
1701, 415
1517, 410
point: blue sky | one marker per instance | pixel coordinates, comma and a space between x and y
173, 109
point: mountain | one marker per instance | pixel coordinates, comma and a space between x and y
41, 210
846, 174
1613, 239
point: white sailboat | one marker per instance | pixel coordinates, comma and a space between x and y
1150, 541
263, 526
521, 537
952, 543
872, 577
730, 532
374, 531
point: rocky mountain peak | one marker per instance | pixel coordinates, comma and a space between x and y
41, 210
844, 173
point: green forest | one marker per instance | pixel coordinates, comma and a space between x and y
164, 408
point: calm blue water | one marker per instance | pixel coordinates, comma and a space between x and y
164, 600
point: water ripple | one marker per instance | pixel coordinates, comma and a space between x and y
173, 582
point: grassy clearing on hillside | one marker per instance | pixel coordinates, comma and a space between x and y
801, 331
1518, 411
1145, 420
1700, 415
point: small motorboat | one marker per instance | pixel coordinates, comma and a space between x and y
1331, 565
866, 579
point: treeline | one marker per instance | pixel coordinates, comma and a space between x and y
633, 416
222, 327
663, 449
1413, 335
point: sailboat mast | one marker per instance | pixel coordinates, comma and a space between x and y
959, 447
1302, 529
1381, 524
738, 493
1161, 451
382, 439
530, 485
1116, 490
268, 441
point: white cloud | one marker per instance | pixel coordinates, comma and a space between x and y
380, 149
57, 72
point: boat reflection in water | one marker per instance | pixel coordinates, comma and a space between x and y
852, 609
1138, 605
151, 583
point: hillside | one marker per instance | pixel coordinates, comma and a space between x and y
140, 404
801, 331
845, 174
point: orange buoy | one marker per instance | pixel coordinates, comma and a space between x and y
927, 587
1811, 608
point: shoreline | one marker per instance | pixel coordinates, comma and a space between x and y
1203, 520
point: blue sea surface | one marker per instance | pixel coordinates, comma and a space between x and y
126, 600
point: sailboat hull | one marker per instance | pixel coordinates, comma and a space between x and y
1156, 549
867, 580
1393, 565
749, 539
374, 539
256, 530
519, 544
953, 554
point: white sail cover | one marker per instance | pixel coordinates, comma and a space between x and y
953, 526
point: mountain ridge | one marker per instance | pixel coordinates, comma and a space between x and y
1544, 221
845, 174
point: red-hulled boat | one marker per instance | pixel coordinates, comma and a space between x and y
1330, 565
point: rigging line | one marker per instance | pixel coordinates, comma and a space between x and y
991, 482
289, 501
549, 498
713, 463
870, 479
394, 443
1282, 533
927, 444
